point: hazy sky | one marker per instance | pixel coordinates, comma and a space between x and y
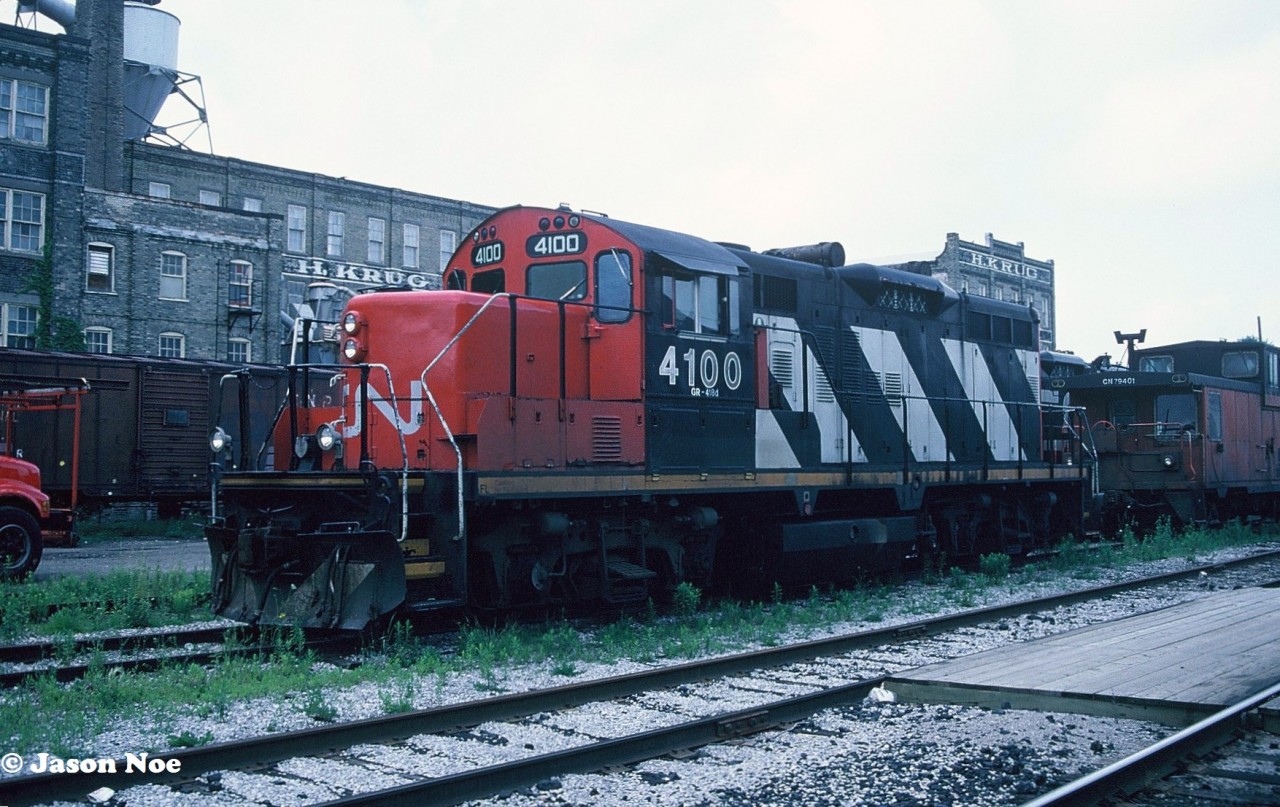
1137, 144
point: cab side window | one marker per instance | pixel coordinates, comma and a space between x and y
701, 303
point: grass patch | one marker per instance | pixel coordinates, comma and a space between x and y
120, 599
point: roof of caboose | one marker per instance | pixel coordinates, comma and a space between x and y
1198, 356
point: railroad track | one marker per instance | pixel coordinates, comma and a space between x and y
1205, 762
151, 651
842, 684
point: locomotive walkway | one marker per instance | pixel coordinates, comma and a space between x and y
1173, 665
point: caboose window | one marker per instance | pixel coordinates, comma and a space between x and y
493, 281
556, 281
613, 286
1155, 364
1240, 365
1174, 413
1213, 417
1122, 413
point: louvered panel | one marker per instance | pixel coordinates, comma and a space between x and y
782, 365
822, 389
893, 388
606, 438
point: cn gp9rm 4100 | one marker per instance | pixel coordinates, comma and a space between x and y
595, 411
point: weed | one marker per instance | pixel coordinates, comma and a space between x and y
400, 698
188, 740
994, 566
686, 599
564, 668
316, 708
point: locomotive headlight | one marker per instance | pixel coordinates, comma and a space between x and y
302, 446
1167, 459
352, 349
219, 441
327, 437
351, 323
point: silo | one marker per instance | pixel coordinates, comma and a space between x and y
150, 65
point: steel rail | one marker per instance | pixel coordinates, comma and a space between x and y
1131, 774
72, 672
262, 751
28, 652
482, 782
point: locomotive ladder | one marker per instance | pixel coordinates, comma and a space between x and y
624, 581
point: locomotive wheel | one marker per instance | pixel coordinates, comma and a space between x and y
20, 544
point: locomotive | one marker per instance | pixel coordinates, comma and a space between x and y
1185, 432
594, 411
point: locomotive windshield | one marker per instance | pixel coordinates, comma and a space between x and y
557, 281
493, 281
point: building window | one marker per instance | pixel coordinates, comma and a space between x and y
23, 219
238, 351
410, 258
252, 204
333, 246
160, 190
19, 325
24, 111
172, 346
211, 198
377, 239
97, 340
173, 276
297, 228
100, 269
240, 285
448, 244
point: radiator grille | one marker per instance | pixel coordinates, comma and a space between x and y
606, 438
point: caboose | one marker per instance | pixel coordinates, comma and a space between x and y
1187, 431
592, 410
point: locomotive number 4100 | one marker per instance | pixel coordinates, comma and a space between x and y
569, 243
704, 373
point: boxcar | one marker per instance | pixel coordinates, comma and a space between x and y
144, 426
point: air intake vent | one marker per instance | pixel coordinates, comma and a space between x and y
782, 365
606, 439
893, 388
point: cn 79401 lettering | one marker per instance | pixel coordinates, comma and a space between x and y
592, 410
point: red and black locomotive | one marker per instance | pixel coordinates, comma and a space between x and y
594, 410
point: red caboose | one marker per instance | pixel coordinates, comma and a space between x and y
1188, 432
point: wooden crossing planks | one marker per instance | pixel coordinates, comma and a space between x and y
1214, 650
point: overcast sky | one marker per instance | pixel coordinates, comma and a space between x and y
1137, 144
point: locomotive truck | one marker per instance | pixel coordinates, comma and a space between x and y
593, 411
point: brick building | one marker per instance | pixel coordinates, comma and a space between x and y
118, 245
997, 269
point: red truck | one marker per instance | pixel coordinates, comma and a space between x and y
26, 518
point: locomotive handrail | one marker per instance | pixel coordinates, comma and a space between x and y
435, 406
